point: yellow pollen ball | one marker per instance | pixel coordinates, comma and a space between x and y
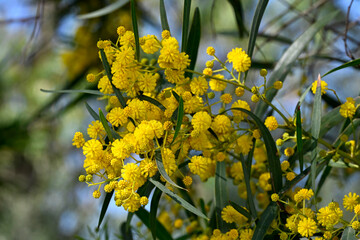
187, 180
271, 123
210, 51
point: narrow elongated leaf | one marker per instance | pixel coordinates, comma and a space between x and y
221, 196
163, 17
179, 118
287, 60
104, 208
299, 141
92, 112
108, 74
315, 130
247, 170
153, 101
194, 40
178, 199
349, 234
239, 15
271, 151
302, 97
186, 23
259, 12
345, 65
323, 177
265, 220
125, 233
135, 29
161, 168
103, 11
106, 125
241, 210
153, 211
93, 92
144, 216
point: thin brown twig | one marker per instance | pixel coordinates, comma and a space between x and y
347, 50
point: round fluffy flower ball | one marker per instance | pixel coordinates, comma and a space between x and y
201, 121
241, 61
271, 123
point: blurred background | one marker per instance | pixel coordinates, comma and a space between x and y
52, 45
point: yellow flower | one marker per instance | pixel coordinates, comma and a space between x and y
201, 121
357, 210
239, 91
246, 234
328, 217
131, 172
149, 44
178, 223
165, 34
104, 85
303, 194
78, 140
285, 165
278, 85
307, 227
244, 144
240, 104
187, 180
290, 176
230, 215
264, 181
96, 194
257, 134
289, 151
350, 201
144, 200
233, 234
117, 117
128, 39
147, 82
226, 98
132, 204
271, 123
199, 86
241, 61
148, 167
92, 148
221, 124
96, 129
323, 87
275, 197
348, 109
210, 51
236, 171
202, 166
217, 85
168, 159
355, 225
90, 78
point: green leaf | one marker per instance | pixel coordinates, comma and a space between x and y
345, 65
125, 233
179, 118
161, 168
241, 210
163, 17
153, 101
108, 74
348, 130
185, 28
302, 97
349, 234
104, 208
287, 60
93, 92
106, 125
103, 11
194, 41
299, 141
221, 195
259, 12
247, 170
315, 130
135, 28
153, 211
323, 177
265, 220
239, 15
92, 112
271, 151
178, 199
162, 233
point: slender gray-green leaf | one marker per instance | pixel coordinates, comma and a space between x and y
179, 118
299, 141
345, 65
221, 195
271, 151
126, 234
241, 210
302, 97
92, 112
106, 125
104, 208
161, 168
103, 11
109, 75
93, 92
349, 234
287, 60
153, 211
194, 40
315, 130
239, 16
265, 220
186, 23
178, 199
135, 29
163, 17
144, 216
246, 170
259, 12
153, 101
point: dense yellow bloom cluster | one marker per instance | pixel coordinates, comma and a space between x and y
163, 124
